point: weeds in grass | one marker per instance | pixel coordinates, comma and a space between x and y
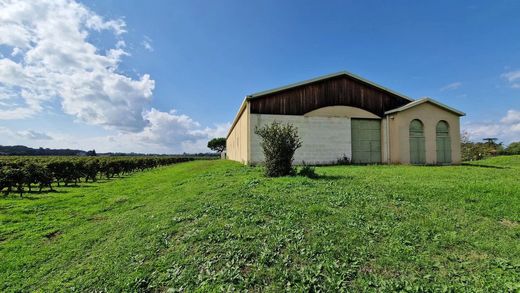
307, 171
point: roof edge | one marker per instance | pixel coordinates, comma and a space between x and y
422, 101
293, 85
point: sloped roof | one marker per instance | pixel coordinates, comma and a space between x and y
425, 100
252, 98
320, 78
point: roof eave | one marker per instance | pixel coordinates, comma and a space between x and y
422, 101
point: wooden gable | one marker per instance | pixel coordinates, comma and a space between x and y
338, 90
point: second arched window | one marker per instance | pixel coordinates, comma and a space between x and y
443, 143
417, 147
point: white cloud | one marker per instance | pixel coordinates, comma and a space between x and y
16, 51
173, 133
147, 44
506, 130
97, 23
53, 63
59, 63
513, 77
12, 74
35, 135
512, 117
451, 86
120, 44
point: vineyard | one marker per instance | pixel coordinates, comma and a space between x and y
21, 174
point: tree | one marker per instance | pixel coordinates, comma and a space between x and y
217, 144
492, 145
472, 151
490, 140
279, 142
513, 148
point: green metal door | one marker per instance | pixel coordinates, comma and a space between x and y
443, 143
417, 148
366, 141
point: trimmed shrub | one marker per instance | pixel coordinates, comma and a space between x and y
279, 142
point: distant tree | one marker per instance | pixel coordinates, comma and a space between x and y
217, 144
492, 145
91, 153
279, 142
490, 140
20, 150
472, 151
513, 148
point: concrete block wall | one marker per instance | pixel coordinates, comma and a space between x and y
324, 139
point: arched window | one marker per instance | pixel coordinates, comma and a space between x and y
417, 148
443, 143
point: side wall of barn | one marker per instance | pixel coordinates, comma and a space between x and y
237, 142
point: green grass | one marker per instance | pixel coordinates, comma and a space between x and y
500, 161
217, 225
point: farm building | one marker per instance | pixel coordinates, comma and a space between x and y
343, 115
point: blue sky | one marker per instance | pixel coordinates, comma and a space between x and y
187, 65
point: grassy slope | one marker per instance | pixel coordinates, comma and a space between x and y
218, 224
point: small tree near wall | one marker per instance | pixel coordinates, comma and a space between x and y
279, 142
217, 144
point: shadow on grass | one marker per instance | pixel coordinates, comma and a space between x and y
325, 177
31, 195
332, 177
484, 166
106, 180
75, 186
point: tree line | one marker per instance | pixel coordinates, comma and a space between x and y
20, 150
21, 173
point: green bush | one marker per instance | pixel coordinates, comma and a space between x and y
344, 161
279, 142
307, 171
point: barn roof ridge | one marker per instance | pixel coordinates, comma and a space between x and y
324, 77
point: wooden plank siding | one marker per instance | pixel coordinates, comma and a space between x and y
335, 91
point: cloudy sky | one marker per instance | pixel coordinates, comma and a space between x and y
166, 76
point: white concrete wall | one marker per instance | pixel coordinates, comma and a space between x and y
324, 139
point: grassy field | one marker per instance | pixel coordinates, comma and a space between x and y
217, 225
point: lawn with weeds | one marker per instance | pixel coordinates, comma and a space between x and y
218, 225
